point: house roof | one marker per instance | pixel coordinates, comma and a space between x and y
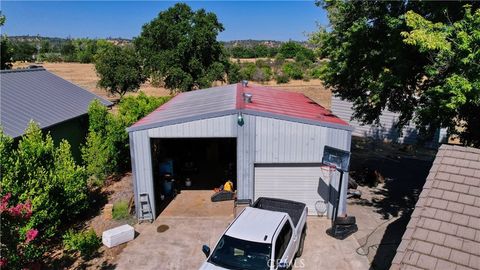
228, 99
38, 95
444, 230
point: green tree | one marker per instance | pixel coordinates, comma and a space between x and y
451, 87
292, 70
23, 51
45, 46
5, 48
6, 53
67, 50
180, 48
233, 73
371, 65
290, 49
85, 50
119, 69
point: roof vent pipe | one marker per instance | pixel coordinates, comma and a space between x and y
247, 97
245, 83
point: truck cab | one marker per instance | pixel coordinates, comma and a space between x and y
261, 238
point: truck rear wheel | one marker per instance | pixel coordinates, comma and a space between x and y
302, 242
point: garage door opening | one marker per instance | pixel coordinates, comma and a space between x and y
194, 163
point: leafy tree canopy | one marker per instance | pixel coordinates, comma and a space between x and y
5, 48
180, 48
408, 56
451, 88
119, 69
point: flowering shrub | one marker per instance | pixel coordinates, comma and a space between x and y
19, 246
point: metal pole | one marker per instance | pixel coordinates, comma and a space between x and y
335, 211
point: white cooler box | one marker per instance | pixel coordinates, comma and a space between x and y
118, 235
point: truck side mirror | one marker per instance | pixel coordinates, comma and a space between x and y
206, 250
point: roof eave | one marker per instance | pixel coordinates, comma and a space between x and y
235, 111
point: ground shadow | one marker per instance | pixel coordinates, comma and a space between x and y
402, 171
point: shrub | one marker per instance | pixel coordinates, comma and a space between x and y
259, 75
106, 150
292, 70
233, 73
260, 63
45, 174
20, 246
85, 242
120, 210
316, 72
247, 71
282, 78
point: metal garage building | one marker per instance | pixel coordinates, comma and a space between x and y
385, 130
277, 139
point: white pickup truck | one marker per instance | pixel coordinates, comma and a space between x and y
268, 235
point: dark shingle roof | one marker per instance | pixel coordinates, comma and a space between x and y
38, 95
444, 230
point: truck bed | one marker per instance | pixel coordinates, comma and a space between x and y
292, 208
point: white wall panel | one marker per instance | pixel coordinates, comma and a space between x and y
224, 126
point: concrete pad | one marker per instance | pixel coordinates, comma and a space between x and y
193, 221
322, 251
196, 203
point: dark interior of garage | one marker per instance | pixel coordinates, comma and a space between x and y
193, 163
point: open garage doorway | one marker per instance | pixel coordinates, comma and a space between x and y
194, 163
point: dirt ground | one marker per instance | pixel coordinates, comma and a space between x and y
116, 190
85, 76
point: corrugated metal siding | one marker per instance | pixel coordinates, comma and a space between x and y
142, 166
386, 130
278, 141
246, 156
305, 184
38, 95
211, 128
259, 140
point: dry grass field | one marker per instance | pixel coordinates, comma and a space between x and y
84, 75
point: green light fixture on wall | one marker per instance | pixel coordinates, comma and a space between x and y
240, 120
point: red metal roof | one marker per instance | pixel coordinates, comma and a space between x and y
274, 101
228, 99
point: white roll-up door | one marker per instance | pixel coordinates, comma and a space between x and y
307, 184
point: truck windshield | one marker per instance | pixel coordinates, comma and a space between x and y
232, 253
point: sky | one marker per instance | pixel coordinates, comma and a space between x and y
272, 20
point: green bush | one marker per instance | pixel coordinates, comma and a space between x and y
260, 63
316, 72
21, 245
233, 73
46, 175
106, 150
292, 70
120, 210
247, 71
282, 78
85, 242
